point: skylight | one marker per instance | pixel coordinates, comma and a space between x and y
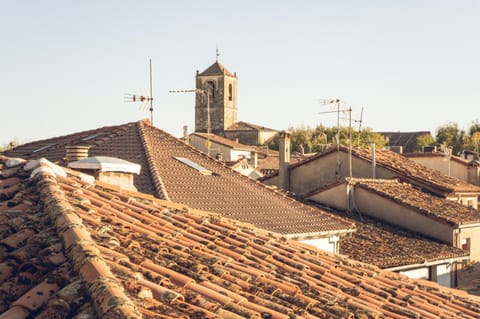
193, 165
43, 148
91, 137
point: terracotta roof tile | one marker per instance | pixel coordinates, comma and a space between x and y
388, 246
159, 266
216, 69
223, 141
225, 191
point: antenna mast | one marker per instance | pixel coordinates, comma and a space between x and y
145, 100
151, 95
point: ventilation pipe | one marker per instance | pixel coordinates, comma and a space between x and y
185, 134
374, 163
76, 152
283, 169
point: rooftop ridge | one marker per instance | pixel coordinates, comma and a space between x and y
76, 137
109, 298
445, 183
158, 183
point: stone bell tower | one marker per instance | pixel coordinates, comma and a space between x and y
219, 108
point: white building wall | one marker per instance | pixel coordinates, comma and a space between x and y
328, 244
444, 275
418, 273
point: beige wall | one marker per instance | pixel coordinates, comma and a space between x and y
384, 209
323, 171
444, 165
472, 233
329, 169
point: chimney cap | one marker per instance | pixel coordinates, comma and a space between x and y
106, 164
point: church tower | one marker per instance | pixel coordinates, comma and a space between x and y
221, 109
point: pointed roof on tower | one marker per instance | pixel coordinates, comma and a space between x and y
216, 69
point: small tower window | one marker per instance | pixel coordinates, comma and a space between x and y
211, 88
230, 92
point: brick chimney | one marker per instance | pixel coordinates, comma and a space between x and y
284, 161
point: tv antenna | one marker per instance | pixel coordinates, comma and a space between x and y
337, 102
359, 126
145, 100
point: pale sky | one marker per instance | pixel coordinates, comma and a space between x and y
66, 65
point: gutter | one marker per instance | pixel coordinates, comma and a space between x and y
317, 235
429, 263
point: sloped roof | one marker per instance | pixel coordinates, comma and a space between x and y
244, 126
405, 194
224, 141
408, 140
225, 191
216, 69
74, 249
403, 167
388, 246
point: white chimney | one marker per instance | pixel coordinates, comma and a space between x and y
110, 170
283, 169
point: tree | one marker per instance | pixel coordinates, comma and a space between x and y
424, 140
449, 135
309, 140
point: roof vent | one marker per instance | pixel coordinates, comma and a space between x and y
75, 152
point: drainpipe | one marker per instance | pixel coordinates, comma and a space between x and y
374, 163
283, 169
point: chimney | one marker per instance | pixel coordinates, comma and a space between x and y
283, 169
185, 134
254, 159
76, 152
110, 170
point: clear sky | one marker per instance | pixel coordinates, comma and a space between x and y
66, 65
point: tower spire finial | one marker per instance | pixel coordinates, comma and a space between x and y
217, 54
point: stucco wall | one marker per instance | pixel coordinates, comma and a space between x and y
384, 209
387, 210
474, 234
329, 169
444, 165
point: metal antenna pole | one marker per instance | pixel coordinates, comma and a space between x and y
151, 95
350, 141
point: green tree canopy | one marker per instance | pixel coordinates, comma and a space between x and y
305, 139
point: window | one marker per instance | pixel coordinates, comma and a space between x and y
230, 92
91, 137
466, 244
43, 148
211, 88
